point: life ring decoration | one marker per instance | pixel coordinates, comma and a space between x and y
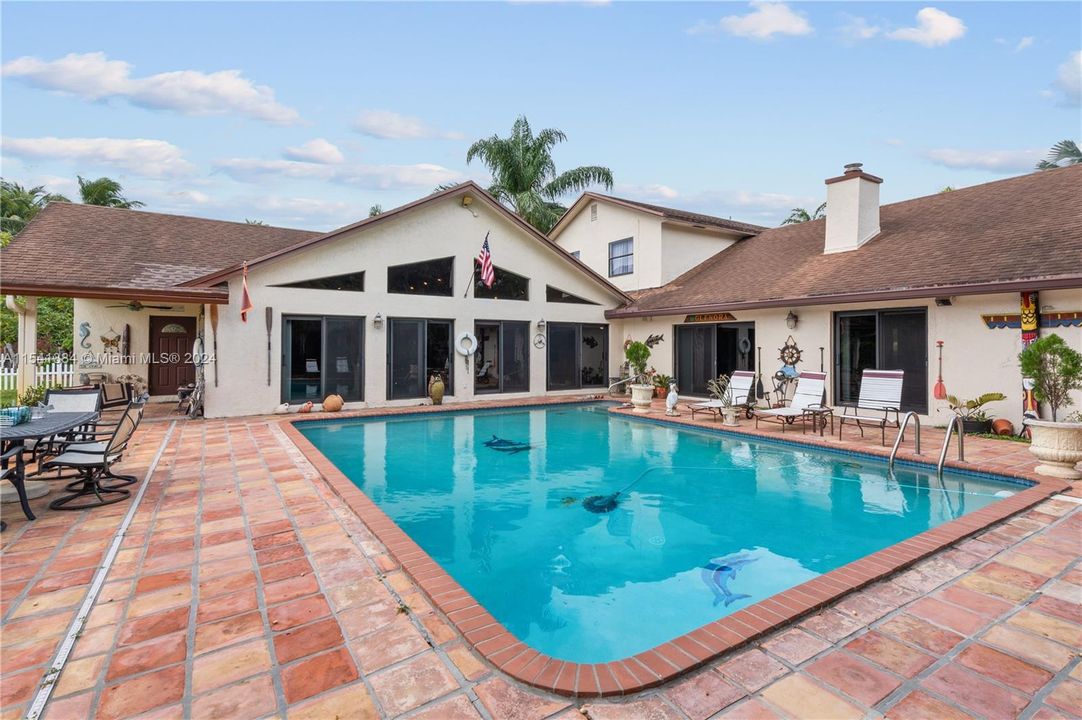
461, 344
745, 345
539, 340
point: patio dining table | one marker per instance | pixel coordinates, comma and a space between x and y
54, 423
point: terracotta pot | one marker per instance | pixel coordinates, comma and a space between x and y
1003, 426
1058, 446
641, 396
660, 391
333, 403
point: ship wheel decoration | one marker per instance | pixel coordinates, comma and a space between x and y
789, 353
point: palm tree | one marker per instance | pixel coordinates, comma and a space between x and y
106, 192
800, 215
19, 205
1063, 153
376, 209
524, 176
249, 221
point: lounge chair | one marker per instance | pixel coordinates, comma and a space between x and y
879, 400
741, 389
95, 466
809, 395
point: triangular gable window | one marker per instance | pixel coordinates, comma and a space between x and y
556, 295
507, 286
351, 282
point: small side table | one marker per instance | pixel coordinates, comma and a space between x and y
818, 417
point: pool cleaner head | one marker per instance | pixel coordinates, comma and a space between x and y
601, 503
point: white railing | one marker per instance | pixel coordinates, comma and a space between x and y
50, 374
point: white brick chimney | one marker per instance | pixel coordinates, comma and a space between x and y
852, 209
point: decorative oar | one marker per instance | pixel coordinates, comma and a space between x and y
939, 392
760, 393
270, 324
214, 339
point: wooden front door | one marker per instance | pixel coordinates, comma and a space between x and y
171, 340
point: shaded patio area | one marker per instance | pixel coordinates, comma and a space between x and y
245, 587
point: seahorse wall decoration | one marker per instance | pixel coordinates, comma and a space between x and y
84, 334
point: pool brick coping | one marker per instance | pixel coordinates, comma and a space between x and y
676, 657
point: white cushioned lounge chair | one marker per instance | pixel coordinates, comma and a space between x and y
741, 393
809, 395
878, 403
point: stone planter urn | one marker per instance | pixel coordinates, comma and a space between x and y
730, 416
1058, 445
641, 395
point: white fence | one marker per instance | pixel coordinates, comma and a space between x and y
52, 374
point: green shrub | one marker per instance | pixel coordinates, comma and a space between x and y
637, 354
1055, 368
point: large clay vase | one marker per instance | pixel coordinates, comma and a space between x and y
641, 396
1058, 445
333, 403
436, 389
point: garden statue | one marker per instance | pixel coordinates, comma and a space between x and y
671, 399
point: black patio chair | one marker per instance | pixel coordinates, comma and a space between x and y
95, 440
94, 466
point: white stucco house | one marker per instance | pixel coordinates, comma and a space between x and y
373, 310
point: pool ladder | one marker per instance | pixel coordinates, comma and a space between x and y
954, 426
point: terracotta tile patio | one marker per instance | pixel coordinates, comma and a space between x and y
245, 587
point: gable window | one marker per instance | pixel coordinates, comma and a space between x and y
577, 254
621, 257
506, 286
431, 277
322, 355
352, 282
557, 295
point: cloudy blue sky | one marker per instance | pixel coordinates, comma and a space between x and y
305, 114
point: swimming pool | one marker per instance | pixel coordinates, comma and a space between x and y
715, 522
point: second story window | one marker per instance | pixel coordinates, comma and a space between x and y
621, 257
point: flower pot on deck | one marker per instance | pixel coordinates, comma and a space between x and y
641, 395
1058, 445
973, 427
730, 416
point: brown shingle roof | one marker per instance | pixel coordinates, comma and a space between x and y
667, 213
1021, 230
88, 249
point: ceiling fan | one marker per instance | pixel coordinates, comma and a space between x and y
136, 306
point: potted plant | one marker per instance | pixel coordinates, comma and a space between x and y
642, 392
719, 390
1055, 369
971, 412
661, 384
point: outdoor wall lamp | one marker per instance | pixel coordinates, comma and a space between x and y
378, 321
541, 324
791, 320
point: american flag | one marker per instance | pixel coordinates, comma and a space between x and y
488, 274
245, 299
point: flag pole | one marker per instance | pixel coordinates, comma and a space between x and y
469, 284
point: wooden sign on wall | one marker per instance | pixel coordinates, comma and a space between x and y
710, 317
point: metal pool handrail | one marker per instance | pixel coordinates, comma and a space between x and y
901, 432
954, 425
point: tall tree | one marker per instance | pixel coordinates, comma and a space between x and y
19, 205
1063, 153
376, 209
524, 176
800, 215
105, 191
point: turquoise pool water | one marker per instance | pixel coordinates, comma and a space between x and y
715, 523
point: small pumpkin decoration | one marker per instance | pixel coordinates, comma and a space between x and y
306, 408
333, 403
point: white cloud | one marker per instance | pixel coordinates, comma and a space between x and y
93, 76
1002, 161
388, 125
934, 27
153, 158
766, 20
383, 177
1069, 78
316, 151
647, 193
857, 28
896, 142
1024, 43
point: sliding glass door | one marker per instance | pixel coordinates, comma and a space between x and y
417, 350
322, 355
882, 340
502, 360
578, 356
705, 351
